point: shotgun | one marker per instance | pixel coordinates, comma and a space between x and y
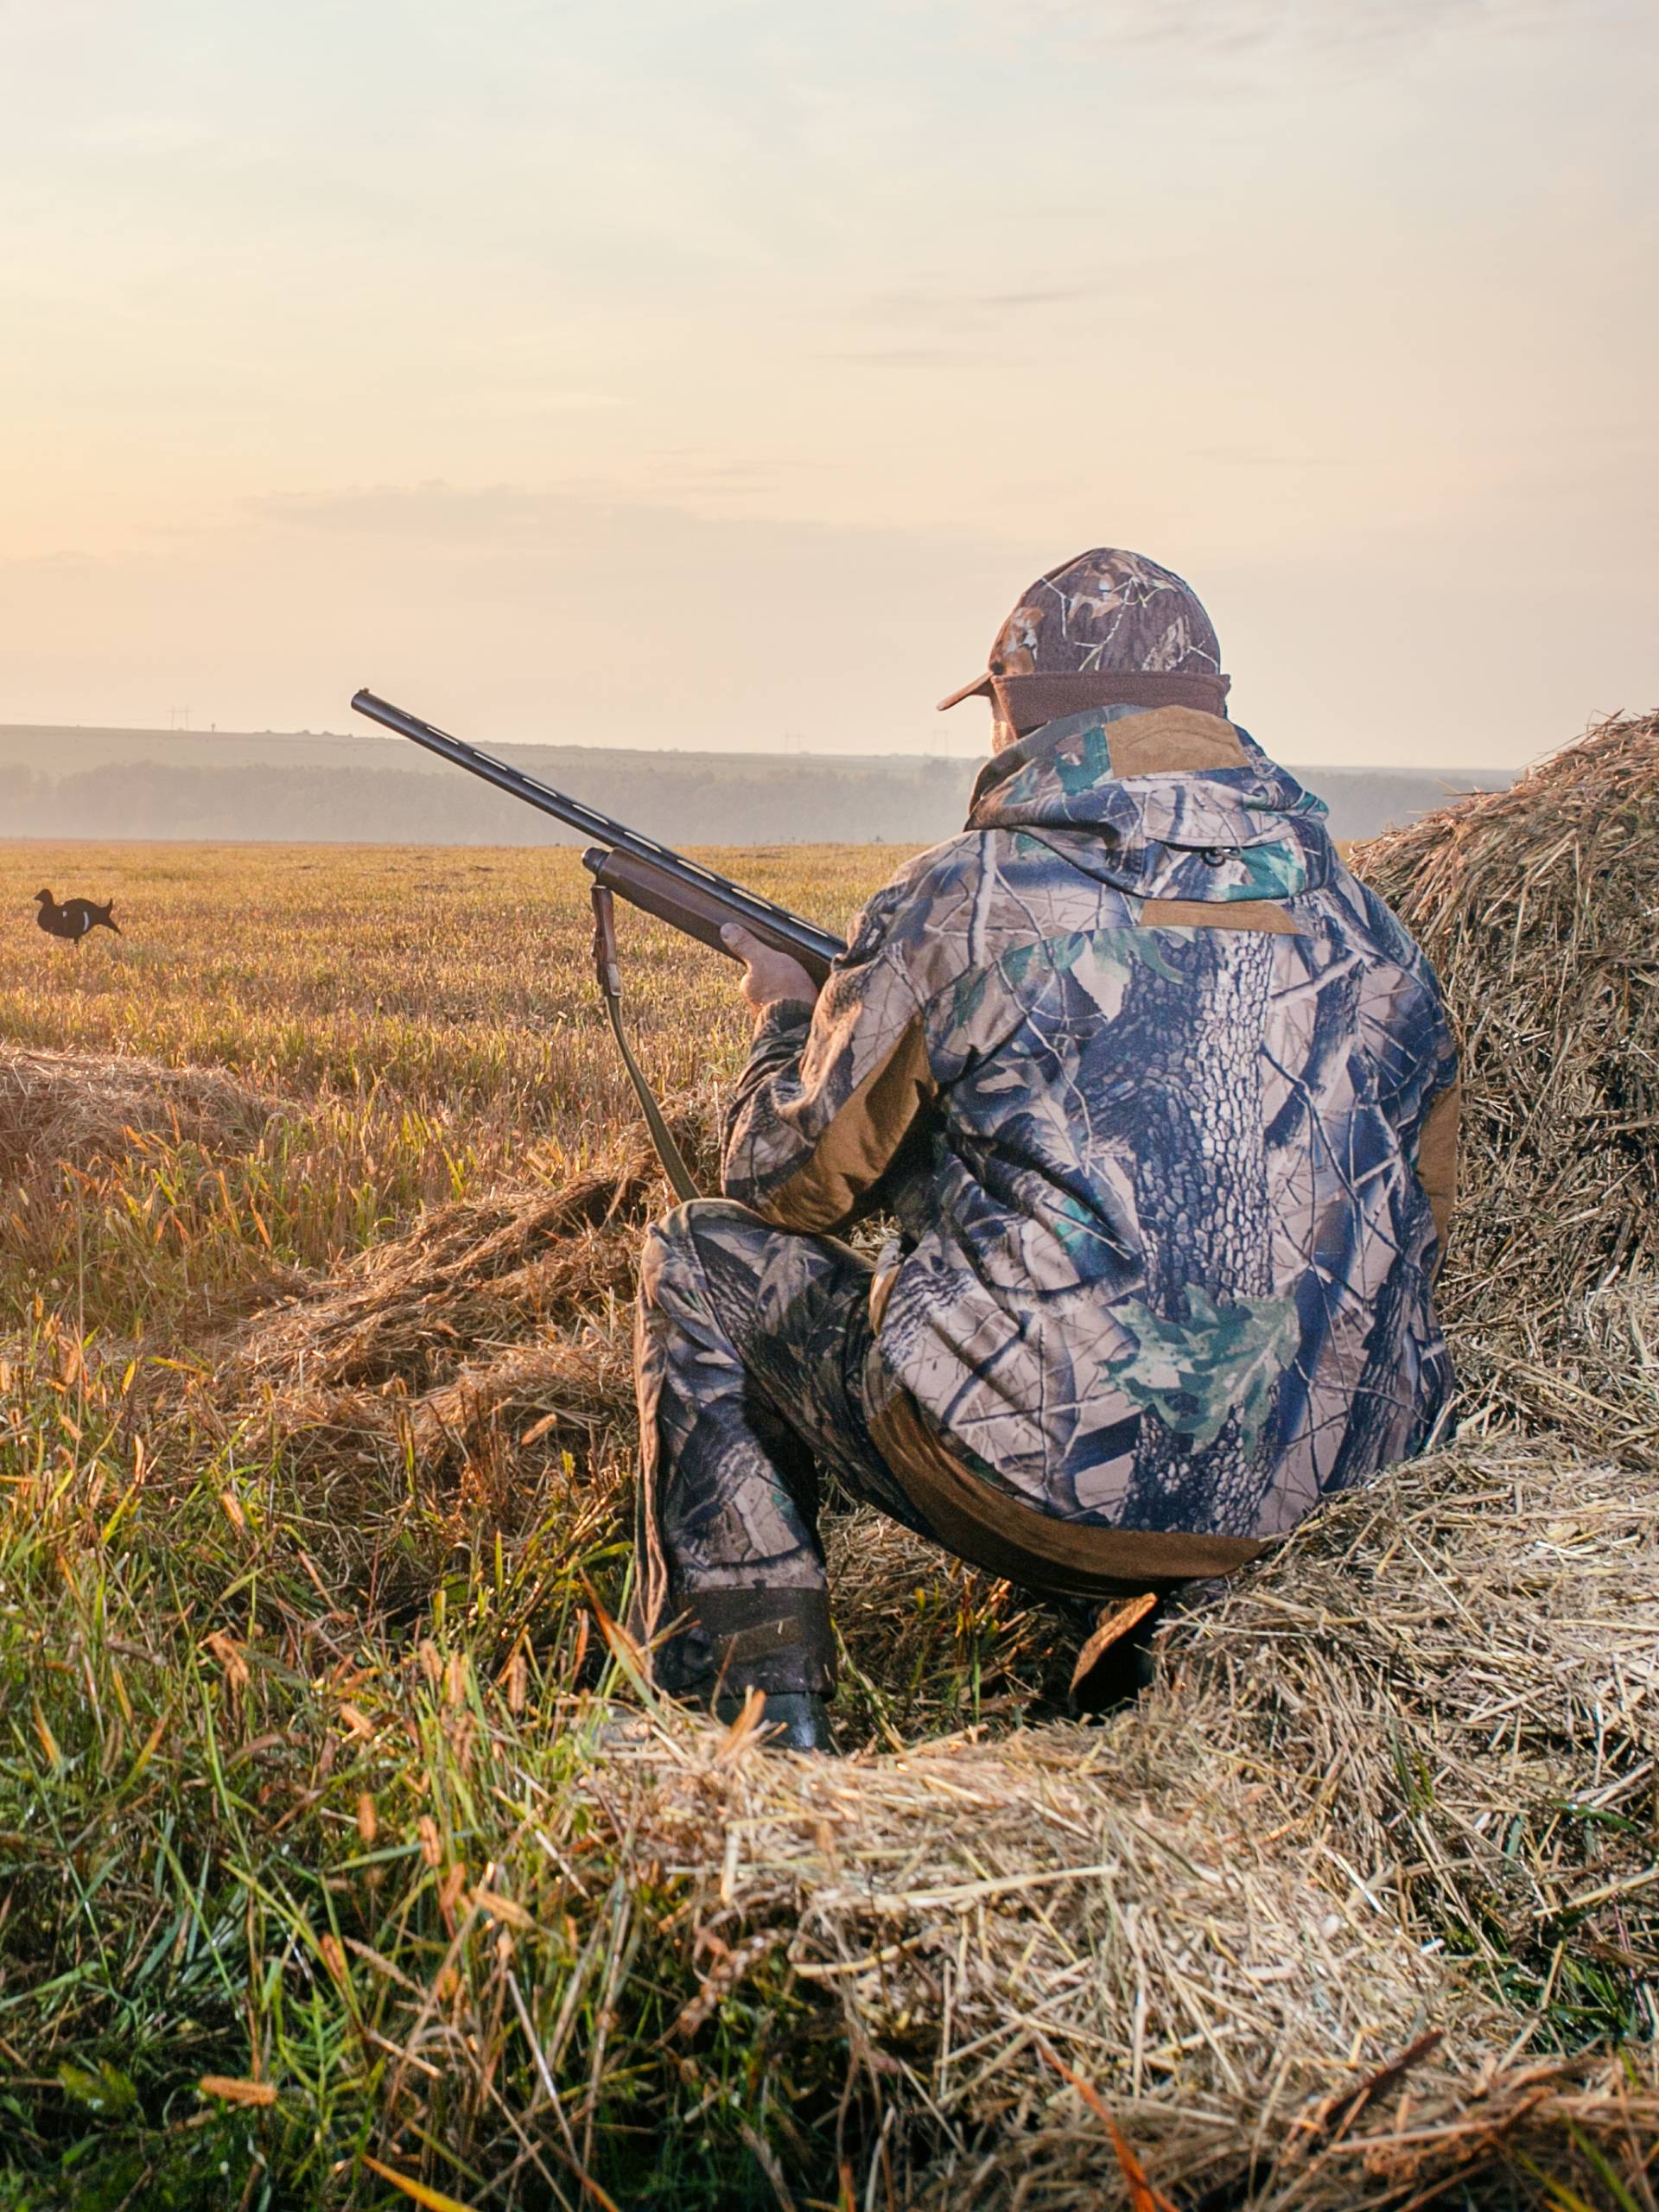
634, 867
626, 864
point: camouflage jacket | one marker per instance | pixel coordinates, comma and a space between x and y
1164, 1100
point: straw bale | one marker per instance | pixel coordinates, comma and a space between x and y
89, 1110
1593, 1374
1540, 907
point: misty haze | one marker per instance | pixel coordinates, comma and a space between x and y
298, 788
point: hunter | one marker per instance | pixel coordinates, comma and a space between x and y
1162, 1104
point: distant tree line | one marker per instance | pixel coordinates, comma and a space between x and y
685, 800
798, 801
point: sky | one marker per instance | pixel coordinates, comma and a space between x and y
717, 372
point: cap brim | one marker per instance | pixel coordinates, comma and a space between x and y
979, 689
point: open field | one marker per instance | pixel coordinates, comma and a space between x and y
341, 1855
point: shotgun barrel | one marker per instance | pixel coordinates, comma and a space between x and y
636, 867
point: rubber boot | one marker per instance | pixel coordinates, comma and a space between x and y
1115, 1664
792, 1720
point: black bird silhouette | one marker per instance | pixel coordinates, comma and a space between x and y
74, 917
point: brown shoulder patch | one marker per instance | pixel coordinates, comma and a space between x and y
1219, 914
1172, 739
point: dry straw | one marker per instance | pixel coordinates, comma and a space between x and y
1339, 1825
1539, 905
88, 1110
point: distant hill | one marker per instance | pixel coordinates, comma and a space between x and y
303, 787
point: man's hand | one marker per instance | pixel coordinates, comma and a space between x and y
769, 975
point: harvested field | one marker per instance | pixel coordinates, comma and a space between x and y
313, 1618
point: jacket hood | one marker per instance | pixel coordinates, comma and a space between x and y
1161, 802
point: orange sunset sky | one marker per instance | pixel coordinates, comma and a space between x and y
677, 373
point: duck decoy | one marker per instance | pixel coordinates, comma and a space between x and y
72, 919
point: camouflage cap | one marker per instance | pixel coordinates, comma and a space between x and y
1109, 614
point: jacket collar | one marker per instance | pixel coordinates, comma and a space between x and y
1158, 740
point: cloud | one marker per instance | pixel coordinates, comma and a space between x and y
955, 311
925, 304
574, 521
909, 357
1243, 27
549, 519
68, 557
437, 512
1246, 25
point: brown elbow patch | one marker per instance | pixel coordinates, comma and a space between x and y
1437, 1158
860, 1140
1219, 914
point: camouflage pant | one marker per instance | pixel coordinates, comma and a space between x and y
750, 1351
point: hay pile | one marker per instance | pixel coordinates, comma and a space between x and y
487, 1349
1540, 907
89, 1110
476, 1349
1592, 1376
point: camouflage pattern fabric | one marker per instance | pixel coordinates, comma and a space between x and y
1107, 609
1103, 613
750, 1352
1154, 1086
